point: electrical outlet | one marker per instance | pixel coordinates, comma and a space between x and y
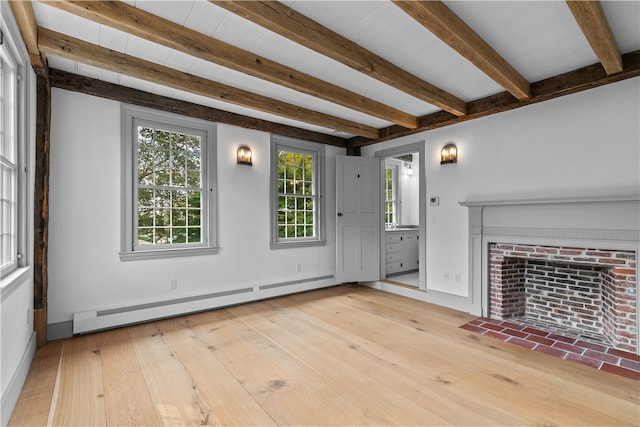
299, 268
173, 284
445, 276
457, 277
29, 316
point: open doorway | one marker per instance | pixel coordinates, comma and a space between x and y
402, 245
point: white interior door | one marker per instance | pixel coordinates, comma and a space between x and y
358, 222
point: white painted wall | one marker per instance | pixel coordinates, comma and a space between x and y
563, 147
585, 144
410, 186
84, 268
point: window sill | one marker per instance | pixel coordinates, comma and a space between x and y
13, 280
166, 253
297, 244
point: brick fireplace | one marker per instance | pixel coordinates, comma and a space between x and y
570, 264
589, 291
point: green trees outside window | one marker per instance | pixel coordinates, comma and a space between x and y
390, 196
296, 196
169, 187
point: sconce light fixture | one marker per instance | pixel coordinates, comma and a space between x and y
244, 155
449, 154
407, 168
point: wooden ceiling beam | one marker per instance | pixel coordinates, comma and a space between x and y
76, 83
77, 50
285, 21
554, 87
26, 20
594, 24
436, 17
124, 17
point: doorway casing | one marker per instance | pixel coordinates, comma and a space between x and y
420, 148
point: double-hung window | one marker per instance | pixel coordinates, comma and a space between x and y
169, 169
8, 159
297, 204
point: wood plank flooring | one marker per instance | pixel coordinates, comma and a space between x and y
345, 355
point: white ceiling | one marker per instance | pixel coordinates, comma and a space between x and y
540, 39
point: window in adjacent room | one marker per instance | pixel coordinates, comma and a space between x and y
297, 213
390, 198
169, 167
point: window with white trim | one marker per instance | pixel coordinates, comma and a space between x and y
9, 186
297, 204
169, 167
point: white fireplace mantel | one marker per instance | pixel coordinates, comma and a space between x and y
610, 222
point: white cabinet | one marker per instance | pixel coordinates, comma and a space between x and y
394, 250
401, 251
410, 246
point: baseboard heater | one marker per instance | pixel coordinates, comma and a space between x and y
96, 320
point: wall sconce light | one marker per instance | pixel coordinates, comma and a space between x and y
244, 155
407, 168
449, 154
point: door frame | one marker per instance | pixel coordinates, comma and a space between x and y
420, 148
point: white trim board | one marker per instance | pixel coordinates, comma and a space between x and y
111, 317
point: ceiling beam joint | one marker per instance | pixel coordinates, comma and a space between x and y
568, 83
26, 20
436, 17
594, 24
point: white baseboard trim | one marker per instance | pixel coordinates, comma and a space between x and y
454, 302
11, 394
106, 318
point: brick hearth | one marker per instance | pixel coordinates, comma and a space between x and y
598, 356
591, 291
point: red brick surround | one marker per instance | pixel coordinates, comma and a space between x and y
589, 290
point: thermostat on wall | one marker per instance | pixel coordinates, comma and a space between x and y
434, 201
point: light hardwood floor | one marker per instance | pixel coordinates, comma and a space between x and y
345, 355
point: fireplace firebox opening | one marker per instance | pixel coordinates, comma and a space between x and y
590, 292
